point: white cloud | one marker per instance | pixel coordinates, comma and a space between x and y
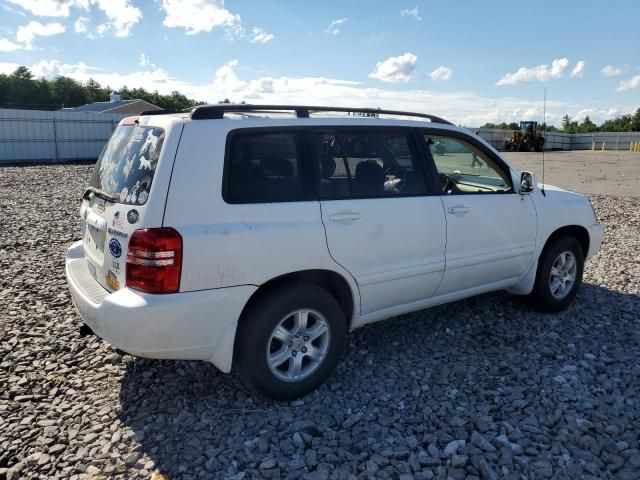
395, 69
441, 73
50, 8
9, 46
411, 13
122, 15
143, 61
100, 30
81, 25
335, 26
578, 70
226, 80
8, 67
261, 36
460, 107
197, 16
27, 33
541, 73
633, 82
611, 71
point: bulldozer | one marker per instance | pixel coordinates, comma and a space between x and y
527, 139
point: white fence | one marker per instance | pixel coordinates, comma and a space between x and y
41, 136
567, 141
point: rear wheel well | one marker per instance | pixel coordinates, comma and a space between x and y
332, 282
576, 231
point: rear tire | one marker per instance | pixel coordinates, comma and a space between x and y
290, 341
559, 275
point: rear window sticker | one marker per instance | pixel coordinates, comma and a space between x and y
123, 194
115, 248
142, 196
144, 163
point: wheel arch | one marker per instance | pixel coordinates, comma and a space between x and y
335, 283
580, 233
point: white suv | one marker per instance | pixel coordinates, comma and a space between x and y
258, 236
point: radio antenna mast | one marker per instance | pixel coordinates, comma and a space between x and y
544, 135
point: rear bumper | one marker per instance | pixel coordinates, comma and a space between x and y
187, 326
596, 233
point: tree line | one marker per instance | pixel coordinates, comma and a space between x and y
622, 123
21, 89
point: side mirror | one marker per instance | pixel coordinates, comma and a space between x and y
526, 182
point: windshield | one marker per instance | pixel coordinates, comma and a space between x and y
127, 164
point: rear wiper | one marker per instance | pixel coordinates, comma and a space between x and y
100, 193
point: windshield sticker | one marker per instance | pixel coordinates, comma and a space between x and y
118, 221
112, 281
115, 248
132, 216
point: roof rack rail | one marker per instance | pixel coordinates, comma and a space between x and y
156, 112
209, 112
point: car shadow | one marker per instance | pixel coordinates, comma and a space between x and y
195, 422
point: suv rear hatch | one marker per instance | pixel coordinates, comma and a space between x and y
118, 197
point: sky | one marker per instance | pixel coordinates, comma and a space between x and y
470, 62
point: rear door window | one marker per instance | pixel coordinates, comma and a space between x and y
367, 164
265, 167
128, 163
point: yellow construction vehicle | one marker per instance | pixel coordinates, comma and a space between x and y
528, 139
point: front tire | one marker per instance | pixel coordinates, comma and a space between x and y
290, 341
559, 275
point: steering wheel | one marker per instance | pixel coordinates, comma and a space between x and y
448, 184
400, 174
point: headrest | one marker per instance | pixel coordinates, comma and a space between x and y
370, 171
327, 166
277, 166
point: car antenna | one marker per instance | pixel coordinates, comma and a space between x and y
544, 135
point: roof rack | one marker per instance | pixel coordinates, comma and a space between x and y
208, 112
157, 112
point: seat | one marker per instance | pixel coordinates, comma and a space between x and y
369, 179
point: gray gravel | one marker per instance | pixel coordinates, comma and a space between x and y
483, 388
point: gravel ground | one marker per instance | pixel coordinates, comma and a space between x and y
483, 388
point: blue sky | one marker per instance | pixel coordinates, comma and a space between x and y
470, 62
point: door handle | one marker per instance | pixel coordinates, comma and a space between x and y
458, 210
344, 216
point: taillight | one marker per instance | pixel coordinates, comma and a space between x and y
154, 260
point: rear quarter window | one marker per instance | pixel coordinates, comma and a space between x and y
265, 167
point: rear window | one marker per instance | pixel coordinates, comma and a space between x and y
267, 167
128, 163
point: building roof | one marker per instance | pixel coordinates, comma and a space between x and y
101, 106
